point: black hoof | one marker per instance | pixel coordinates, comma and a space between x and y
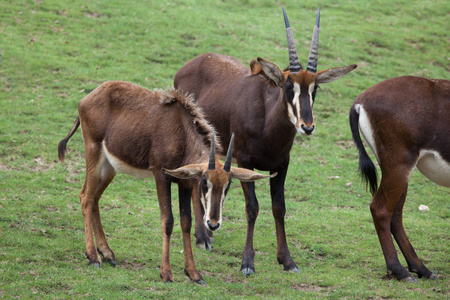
112, 263
409, 279
95, 265
247, 271
205, 246
200, 282
293, 270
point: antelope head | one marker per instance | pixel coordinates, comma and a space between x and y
299, 85
214, 180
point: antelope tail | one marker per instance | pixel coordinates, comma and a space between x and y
366, 166
63, 143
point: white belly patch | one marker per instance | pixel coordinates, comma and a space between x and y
434, 167
122, 167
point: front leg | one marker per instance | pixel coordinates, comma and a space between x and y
251, 212
279, 212
186, 222
165, 207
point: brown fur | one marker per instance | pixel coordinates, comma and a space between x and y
254, 103
127, 128
407, 114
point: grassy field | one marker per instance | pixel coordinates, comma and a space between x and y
52, 53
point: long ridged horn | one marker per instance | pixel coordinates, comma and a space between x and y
294, 64
314, 52
212, 153
227, 165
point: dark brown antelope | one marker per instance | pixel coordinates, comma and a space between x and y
129, 129
265, 107
406, 122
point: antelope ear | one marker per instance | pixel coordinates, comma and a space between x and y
247, 175
187, 171
329, 75
268, 70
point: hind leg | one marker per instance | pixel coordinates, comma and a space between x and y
394, 183
98, 177
414, 263
106, 176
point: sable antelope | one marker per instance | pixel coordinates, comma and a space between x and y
406, 122
129, 129
265, 107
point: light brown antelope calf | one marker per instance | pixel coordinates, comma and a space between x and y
406, 122
129, 129
266, 107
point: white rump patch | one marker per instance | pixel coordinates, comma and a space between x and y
434, 167
122, 167
366, 128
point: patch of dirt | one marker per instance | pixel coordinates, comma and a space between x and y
4, 167
41, 165
308, 287
345, 144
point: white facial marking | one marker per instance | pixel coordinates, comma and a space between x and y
310, 92
295, 105
366, 128
222, 202
434, 167
297, 92
207, 202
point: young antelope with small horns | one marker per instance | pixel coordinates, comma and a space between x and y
127, 128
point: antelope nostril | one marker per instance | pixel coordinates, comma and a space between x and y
212, 227
308, 130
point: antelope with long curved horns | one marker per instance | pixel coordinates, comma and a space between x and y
129, 129
406, 122
265, 107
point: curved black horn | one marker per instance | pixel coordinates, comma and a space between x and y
227, 165
294, 64
313, 53
212, 153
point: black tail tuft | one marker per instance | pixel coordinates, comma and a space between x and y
62, 150
366, 166
63, 143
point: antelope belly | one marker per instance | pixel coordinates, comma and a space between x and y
122, 167
434, 167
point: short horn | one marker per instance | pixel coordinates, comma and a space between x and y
294, 64
314, 52
212, 153
227, 165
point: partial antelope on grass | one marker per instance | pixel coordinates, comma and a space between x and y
406, 122
127, 128
265, 107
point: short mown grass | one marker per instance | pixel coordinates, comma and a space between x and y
53, 53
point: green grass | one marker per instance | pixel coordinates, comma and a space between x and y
52, 53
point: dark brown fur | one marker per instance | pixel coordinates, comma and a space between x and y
253, 102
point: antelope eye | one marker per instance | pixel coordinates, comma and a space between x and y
289, 93
204, 182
